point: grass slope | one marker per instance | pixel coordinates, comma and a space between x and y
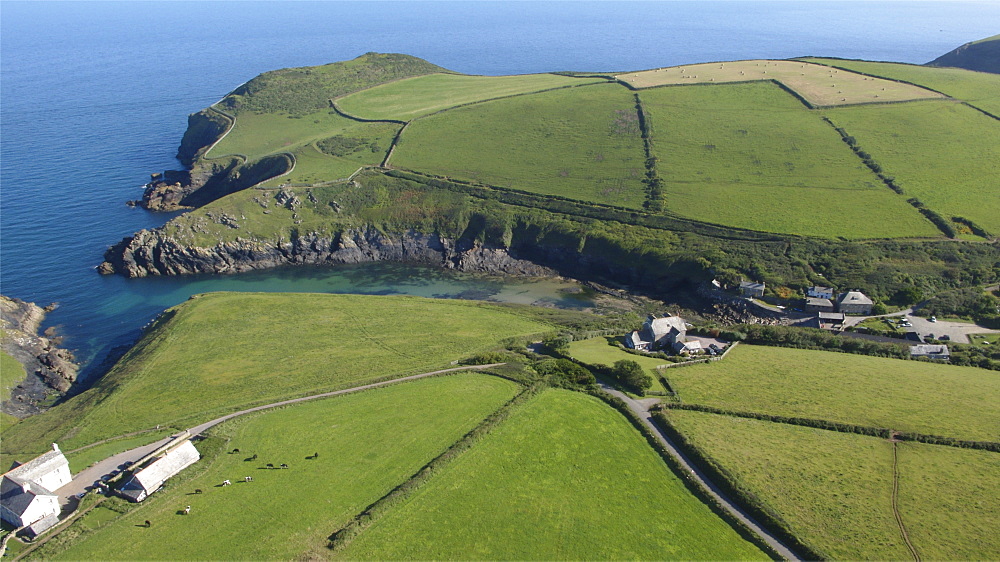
820, 85
415, 97
310, 88
833, 490
950, 501
903, 395
223, 351
752, 156
565, 478
977, 88
12, 374
943, 153
581, 143
368, 443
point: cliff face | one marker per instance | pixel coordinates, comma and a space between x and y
983, 55
151, 253
48, 367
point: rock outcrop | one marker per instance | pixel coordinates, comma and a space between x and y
48, 367
151, 253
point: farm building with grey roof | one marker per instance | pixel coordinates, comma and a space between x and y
27, 492
152, 475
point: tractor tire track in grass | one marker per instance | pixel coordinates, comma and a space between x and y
895, 499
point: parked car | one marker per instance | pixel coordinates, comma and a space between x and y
944, 337
933, 319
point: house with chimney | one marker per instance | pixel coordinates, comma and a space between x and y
28, 495
658, 333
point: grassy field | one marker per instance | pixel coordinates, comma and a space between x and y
980, 89
12, 374
565, 478
582, 143
415, 97
368, 443
80, 460
903, 395
752, 156
833, 490
604, 351
950, 501
943, 153
820, 85
223, 351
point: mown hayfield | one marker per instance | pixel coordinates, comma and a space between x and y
225, 351
833, 490
415, 97
752, 156
903, 395
820, 85
564, 478
950, 501
604, 351
582, 143
367, 442
943, 153
980, 89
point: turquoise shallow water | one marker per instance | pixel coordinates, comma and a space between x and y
93, 98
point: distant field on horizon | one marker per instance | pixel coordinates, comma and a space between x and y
903, 395
564, 478
978, 88
820, 85
752, 156
422, 95
582, 143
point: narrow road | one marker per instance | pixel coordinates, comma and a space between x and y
88, 476
641, 409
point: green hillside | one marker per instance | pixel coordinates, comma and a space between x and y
982, 55
202, 360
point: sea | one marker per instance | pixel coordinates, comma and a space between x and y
94, 97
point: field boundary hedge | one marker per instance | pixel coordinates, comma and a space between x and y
841, 427
730, 485
573, 207
343, 536
699, 492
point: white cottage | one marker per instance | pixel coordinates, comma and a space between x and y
28, 492
152, 475
657, 333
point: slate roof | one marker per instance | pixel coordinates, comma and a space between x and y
926, 350
38, 466
839, 316
818, 302
16, 496
18, 487
156, 473
854, 297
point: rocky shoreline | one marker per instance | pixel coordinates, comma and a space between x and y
149, 252
49, 368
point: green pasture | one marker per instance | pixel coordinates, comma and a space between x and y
945, 154
582, 143
259, 134
833, 490
221, 352
950, 501
903, 395
980, 89
368, 443
11, 374
565, 478
313, 167
752, 156
605, 351
422, 95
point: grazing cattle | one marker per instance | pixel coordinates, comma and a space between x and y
148, 524
270, 465
283, 465
187, 510
234, 451
254, 457
197, 491
226, 483
248, 479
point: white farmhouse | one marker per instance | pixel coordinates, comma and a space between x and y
28, 492
657, 333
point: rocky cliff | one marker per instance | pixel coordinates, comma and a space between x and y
48, 367
152, 253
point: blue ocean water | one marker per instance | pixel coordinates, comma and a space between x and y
94, 97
